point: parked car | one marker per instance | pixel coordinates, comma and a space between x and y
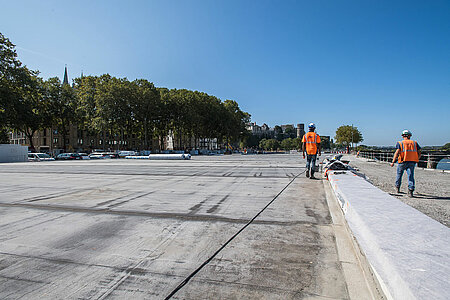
126, 153
99, 155
39, 157
111, 154
68, 156
84, 156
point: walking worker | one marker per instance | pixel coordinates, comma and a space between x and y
311, 143
408, 153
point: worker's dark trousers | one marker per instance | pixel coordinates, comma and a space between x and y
311, 163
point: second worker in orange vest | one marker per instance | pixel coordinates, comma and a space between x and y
311, 143
408, 154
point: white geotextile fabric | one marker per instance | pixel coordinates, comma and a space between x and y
162, 157
409, 251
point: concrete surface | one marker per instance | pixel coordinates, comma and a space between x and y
408, 250
135, 229
432, 195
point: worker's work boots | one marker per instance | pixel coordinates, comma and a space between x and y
307, 173
410, 193
398, 190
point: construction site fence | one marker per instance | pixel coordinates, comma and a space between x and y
427, 160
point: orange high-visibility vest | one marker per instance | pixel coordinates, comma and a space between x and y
408, 151
311, 139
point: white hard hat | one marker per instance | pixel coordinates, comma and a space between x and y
312, 125
406, 132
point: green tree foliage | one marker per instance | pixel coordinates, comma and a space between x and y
236, 120
446, 147
362, 148
290, 132
10, 75
269, 144
325, 142
286, 144
4, 138
120, 107
145, 103
85, 90
21, 105
278, 132
262, 143
61, 104
347, 134
252, 141
290, 144
112, 107
296, 144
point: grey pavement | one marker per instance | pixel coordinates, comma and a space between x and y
136, 229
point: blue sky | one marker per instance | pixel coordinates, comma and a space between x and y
383, 66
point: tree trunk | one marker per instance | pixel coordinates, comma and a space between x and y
64, 134
29, 134
145, 134
104, 140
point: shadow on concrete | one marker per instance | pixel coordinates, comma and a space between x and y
315, 178
397, 194
431, 197
420, 196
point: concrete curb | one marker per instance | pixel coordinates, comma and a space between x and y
362, 282
407, 250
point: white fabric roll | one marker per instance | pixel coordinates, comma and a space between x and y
162, 157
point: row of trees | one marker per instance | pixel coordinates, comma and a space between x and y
286, 144
345, 135
97, 104
289, 144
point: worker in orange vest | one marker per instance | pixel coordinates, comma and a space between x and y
408, 154
311, 143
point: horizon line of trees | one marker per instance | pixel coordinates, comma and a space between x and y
98, 104
273, 144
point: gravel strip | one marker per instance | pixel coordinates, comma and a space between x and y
432, 195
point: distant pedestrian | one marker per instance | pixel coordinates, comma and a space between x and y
311, 143
408, 153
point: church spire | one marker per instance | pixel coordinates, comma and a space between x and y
66, 78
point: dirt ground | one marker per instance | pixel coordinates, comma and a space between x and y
432, 195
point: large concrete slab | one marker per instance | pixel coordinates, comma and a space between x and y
137, 228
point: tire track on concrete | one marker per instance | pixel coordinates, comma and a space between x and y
145, 214
226, 174
188, 278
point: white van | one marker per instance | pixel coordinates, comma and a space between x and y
39, 157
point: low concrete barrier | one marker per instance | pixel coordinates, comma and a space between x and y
13, 153
408, 251
162, 157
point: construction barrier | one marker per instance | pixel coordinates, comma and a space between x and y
162, 157
13, 153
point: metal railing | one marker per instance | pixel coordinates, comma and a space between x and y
427, 160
